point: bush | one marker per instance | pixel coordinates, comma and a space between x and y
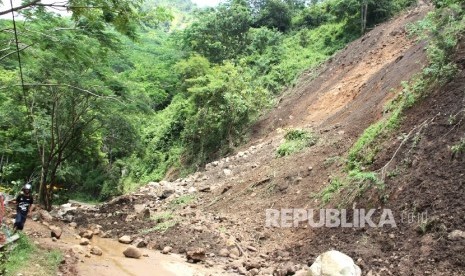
295, 141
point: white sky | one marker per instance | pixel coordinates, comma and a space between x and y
6, 4
206, 3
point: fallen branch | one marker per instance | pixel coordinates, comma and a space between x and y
385, 167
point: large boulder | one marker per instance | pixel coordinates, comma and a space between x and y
334, 263
132, 252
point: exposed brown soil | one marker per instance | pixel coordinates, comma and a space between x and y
337, 102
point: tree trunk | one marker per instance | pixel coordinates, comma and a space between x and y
364, 13
1, 169
43, 189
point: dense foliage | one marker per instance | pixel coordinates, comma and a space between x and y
111, 100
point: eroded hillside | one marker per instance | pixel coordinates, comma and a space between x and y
221, 208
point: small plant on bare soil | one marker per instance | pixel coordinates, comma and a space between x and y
458, 148
354, 185
329, 191
163, 222
182, 201
295, 141
162, 217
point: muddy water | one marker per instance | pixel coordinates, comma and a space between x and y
113, 263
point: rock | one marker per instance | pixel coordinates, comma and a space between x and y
302, 272
267, 271
152, 245
167, 192
254, 272
223, 252
145, 214
252, 263
73, 225
196, 254
456, 235
334, 263
192, 190
45, 215
88, 234
140, 243
251, 248
132, 252
54, 239
95, 250
227, 172
289, 268
106, 234
125, 239
130, 218
55, 231
234, 251
233, 256
167, 249
241, 270
68, 218
139, 208
84, 241
205, 189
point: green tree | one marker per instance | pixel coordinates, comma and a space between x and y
220, 34
275, 14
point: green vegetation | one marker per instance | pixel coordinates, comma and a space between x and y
353, 185
295, 141
182, 201
163, 222
122, 93
27, 257
458, 148
327, 194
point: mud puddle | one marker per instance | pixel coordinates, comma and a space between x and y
113, 263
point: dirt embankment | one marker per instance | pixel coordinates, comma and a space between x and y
222, 209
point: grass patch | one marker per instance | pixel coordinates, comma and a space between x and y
182, 201
160, 227
162, 217
355, 184
458, 148
296, 140
26, 258
334, 186
163, 222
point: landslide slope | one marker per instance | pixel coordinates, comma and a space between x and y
336, 103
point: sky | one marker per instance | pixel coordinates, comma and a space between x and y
206, 3
200, 3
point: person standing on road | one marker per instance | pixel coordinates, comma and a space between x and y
23, 205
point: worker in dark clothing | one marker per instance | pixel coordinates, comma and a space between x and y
23, 205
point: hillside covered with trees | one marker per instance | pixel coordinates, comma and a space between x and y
116, 95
